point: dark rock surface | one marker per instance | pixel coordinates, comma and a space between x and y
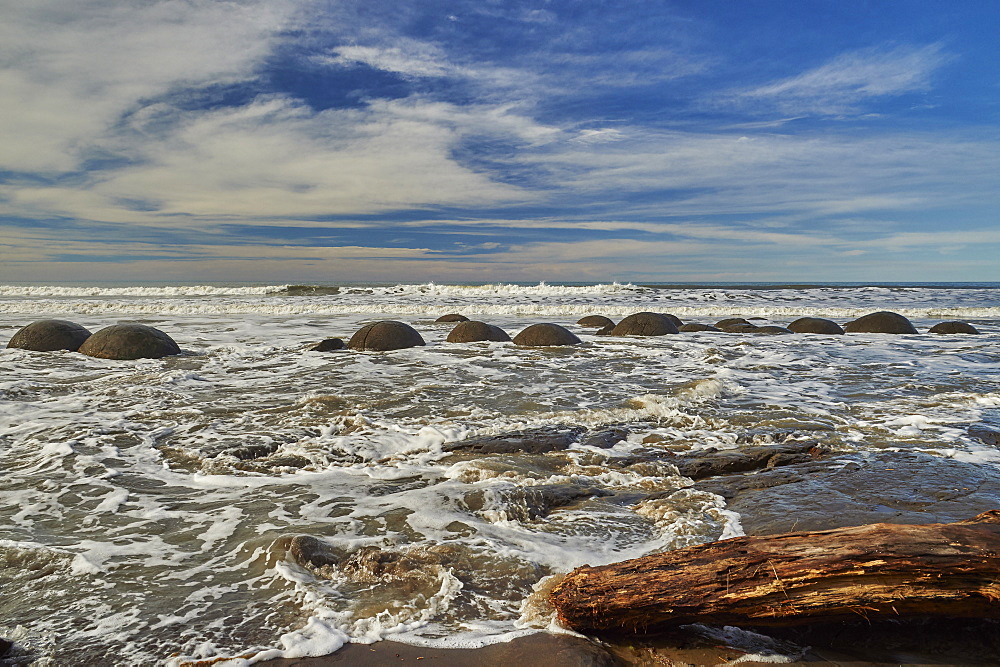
595, 321
816, 325
678, 322
452, 317
307, 550
736, 327
953, 327
883, 321
706, 464
692, 326
605, 330
886, 487
539, 440
730, 321
542, 335
49, 336
985, 433
328, 345
471, 331
129, 341
527, 503
385, 335
645, 324
771, 330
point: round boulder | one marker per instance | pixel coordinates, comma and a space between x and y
595, 321
883, 321
771, 330
385, 335
953, 327
129, 341
49, 335
472, 331
539, 335
645, 324
815, 325
694, 326
678, 322
328, 345
730, 321
452, 317
737, 327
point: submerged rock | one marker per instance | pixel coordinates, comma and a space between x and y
595, 321
744, 459
328, 345
816, 325
883, 321
472, 331
884, 487
730, 321
771, 330
737, 327
452, 317
49, 336
308, 550
645, 324
985, 433
539, 440
693, 326
385, 335
953, 327
129, 341
542, 335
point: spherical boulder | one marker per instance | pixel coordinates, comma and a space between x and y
730, 321
539, 335
129, 341
883, 321
816, 325
645, 324
328, 345
694, 326
472, 331
771, 330
452, 317
595, 321
678, 322
953, 327
737, 327
385, 335
49, 335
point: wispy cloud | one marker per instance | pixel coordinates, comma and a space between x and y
843, 84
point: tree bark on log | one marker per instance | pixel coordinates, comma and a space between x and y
875, 571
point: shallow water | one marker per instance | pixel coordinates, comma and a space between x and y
147, 506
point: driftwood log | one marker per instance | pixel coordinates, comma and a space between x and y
875, 571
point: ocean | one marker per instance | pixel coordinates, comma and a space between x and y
148, 509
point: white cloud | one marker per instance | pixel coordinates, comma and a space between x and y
69, 70
839, 86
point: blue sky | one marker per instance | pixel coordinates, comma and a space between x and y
316, 140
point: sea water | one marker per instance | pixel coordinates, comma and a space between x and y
147, 507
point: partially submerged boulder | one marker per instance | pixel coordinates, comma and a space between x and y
816, 325
645, 324
385, 335
730, 321
739, 327
771, 330
49, 336
953, 327
883, 321
595, 321
540, 335
129, 341
328, 345
452, 317
472, 331
694, 326
673, 318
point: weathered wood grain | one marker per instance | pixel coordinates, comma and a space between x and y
879, 570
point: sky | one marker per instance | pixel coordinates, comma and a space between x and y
483, 141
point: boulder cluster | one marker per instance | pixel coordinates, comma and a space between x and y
119, 341
139, 341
